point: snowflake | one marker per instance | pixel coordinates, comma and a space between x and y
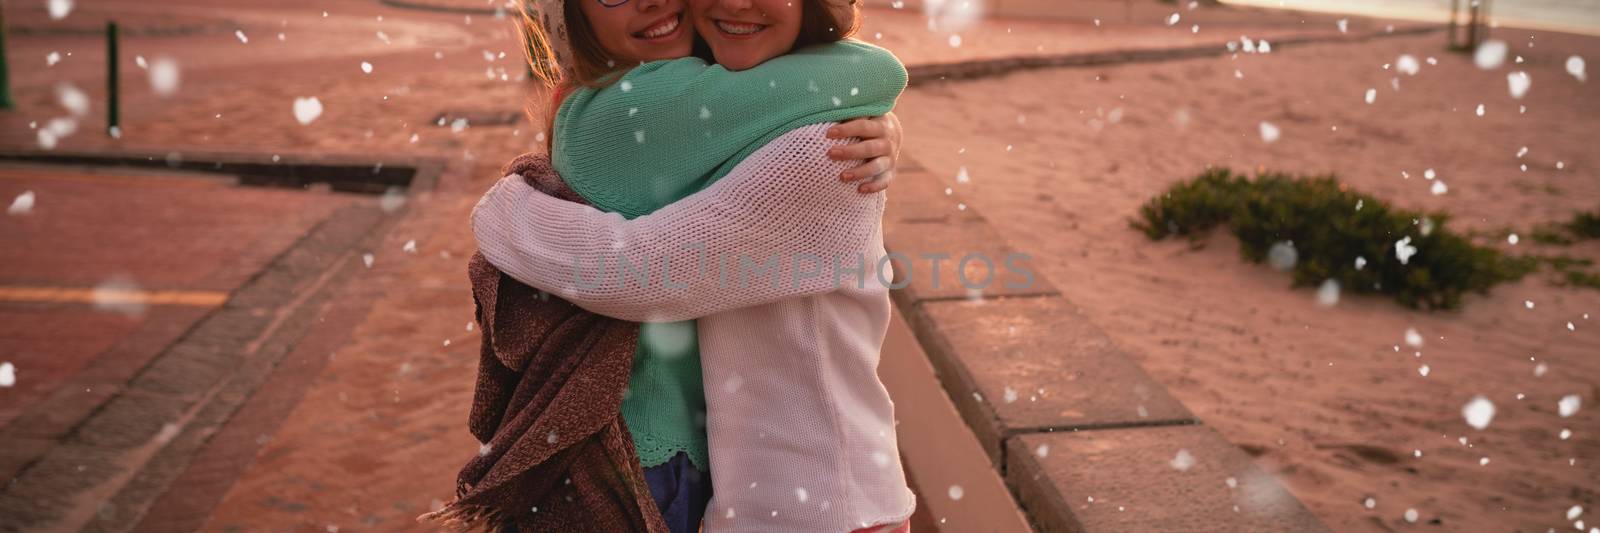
1490, 55
1568, 405
22, 205
306, 110
1183, 461
1269, 132
1478, 412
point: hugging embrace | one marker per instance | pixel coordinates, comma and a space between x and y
685, 128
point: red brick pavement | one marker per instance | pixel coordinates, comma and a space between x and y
155, 232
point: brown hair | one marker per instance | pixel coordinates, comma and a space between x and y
589, 66
827, 21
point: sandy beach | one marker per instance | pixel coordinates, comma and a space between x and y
1329, 398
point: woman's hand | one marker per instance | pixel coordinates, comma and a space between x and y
879, 148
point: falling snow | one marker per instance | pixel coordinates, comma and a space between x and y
1183, 461
1269, 132
1478, 412
72, 98
1408, 65
1490, 55
120, 294
21, 205
392, 200
1413, 338
1518, 82
1403, 250
1568, 405
1328, 293
164, 77
306, 110
1282, 256
59, 9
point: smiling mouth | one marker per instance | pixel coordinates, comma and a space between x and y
740, 28
661, 29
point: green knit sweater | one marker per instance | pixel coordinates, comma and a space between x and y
668, 129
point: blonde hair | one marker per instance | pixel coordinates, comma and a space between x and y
563, 51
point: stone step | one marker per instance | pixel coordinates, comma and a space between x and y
1176, 478
958, 488
1024, 365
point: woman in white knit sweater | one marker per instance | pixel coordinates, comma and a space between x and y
801, 430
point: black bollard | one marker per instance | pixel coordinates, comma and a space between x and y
111, 80
5, 77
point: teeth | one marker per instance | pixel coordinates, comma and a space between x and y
739, 29
663, 29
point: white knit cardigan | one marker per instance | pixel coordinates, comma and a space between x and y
801, 431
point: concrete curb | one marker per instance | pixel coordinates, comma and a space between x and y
424, 6
340, 172
945, 464
1028, 372
987, 68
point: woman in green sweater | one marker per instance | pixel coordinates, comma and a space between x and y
688, 123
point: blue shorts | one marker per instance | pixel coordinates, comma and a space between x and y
681, 492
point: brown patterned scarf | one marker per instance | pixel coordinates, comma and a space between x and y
547, 404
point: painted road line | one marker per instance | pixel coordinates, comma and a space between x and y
115, 297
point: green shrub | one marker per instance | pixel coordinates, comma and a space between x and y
1583, 226
1320, 219
1571, 271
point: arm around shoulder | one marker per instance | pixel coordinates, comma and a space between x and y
780, 225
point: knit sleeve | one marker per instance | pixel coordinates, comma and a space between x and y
687, 123
780, 225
